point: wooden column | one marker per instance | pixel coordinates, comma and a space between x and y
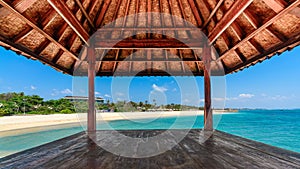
91, 77
208, 120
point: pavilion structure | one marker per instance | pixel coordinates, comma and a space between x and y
242, 32
234, 35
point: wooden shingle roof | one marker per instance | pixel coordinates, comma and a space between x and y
243, 33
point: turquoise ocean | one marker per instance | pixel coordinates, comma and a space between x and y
280, 128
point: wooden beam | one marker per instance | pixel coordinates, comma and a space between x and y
91, 79
109, 29
116, 63
63, 10
87, 16
34, 26
167, 58
196, 12
262, 27
208, 119
184, 60
48, 18
273, 50
237, 30
256, 45
57, 56
149, 21
148, 43
125, 17
213, 12
280, 36
22, 5
276, 5
18, 38
181, 61
251, 19
34, 55
237, 8
42, 47
103, 10
197, 62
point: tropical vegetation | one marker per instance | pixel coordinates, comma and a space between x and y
19, 103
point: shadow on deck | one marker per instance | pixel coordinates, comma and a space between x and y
222, 150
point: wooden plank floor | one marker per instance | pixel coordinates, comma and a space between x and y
222, 150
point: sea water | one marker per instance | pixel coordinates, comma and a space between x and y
279, 128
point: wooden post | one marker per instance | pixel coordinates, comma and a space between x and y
91, 78
208, 120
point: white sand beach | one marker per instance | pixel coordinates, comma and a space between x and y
23, 122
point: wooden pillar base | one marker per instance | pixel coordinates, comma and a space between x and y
208, 119
91, 80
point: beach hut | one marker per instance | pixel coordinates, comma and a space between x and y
210, 37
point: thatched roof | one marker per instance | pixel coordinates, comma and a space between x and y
243, 32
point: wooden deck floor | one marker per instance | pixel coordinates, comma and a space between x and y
222, 150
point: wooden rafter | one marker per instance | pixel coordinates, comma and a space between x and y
291, 41
114, 18
57, 56
48, 18
62, 9
34, 55
102, 12
125, 17
116, 63
181, 61
264, 26
276, 5
237, 8
213, 12
34, 26
42, 47
172, 18
197, 62
251, 19
280, 36
22, 5
195, 12
87, 16
256, 45
167, 58
22, 35
237, 30
149, 10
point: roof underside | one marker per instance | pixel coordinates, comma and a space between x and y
243, 33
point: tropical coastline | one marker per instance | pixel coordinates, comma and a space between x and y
29, 121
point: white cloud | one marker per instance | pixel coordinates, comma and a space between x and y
174, 90
32, 87
97, 93
107, 95
263, 95
186, 101
66, 91
159, 89
119, 94
54, 92
248, 96
279, 97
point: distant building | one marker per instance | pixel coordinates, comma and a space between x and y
83, 98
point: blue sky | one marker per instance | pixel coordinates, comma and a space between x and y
272, 84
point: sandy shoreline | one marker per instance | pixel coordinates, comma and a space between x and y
13, 123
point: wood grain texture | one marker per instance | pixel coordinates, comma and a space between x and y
221, 150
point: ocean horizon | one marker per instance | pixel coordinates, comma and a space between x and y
280, 128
